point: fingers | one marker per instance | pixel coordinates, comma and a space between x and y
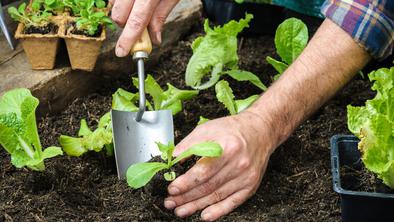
200, 173
137, 21
204, 189
224, 207
158, 19
121, 11
214, 197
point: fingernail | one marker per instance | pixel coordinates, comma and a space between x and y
181, 212
206, 216
120, 52
173, 191
169, 204
158, 37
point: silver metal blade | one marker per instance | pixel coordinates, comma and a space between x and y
3, 27
134, 141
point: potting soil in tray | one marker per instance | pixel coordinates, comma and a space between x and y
296, 187
361, 179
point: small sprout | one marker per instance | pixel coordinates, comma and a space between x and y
138, 175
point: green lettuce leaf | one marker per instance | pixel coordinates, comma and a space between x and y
18, 130
214, 53
225, 95
374, 125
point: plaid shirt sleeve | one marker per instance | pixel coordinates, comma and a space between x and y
369, 22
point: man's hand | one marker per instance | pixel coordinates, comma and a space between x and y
135, 16
219, 185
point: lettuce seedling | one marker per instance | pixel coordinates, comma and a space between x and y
77, 5
18, 131
215, 54
138, 175
225, 95
35, 17
53, 6
91, 20
89, 140
373, 124
123, 100
291, 39
170, 99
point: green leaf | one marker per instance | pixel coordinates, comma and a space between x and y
138, 175
240, 75
18, 129
52, 152
213, 53
175, 96
280, 67
170, 176
202, 120
123, 100
105, 121
153, 89
245, 103
166, 150
72, 146
84, 129
225, 95
204, 149
290, 39
374, 125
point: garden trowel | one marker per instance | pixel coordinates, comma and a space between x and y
136, 133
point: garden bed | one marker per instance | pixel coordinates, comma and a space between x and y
296, 187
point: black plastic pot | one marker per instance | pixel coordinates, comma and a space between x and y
357, 206
266, 17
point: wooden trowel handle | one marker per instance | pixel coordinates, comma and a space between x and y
144, 44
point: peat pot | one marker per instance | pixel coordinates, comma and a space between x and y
266, 19
356, 206
83, 51
40, 49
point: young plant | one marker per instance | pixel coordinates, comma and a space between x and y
18, 131
53, 6
291, 39
225, 95
215, 54
89, 140
123, 100
77, 5
91, 20
34, 17
138, 175
373, 124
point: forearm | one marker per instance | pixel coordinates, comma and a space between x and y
329, 61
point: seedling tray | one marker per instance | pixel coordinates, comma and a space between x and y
266, 17
355, 205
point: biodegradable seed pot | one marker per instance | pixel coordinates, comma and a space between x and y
40, 49
83, 50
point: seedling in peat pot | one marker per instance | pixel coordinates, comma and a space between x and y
32, 18
91, 22
138, 175
18, 131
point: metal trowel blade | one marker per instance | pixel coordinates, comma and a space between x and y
135, 142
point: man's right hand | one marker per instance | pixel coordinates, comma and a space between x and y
135, 16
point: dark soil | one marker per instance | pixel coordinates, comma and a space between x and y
49, 29
359, 178
297, 185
